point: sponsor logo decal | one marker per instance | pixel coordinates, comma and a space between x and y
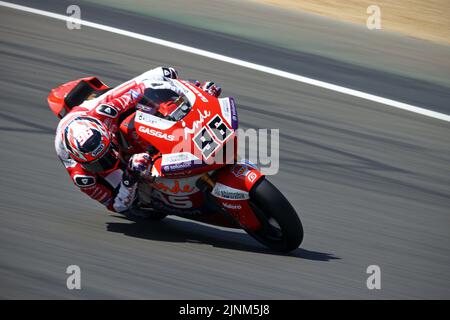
232, 206
230, 195
252, 176
225, 192
233, 112
239, 171
107, 110
153, 121
226, 109
177, 157
146, 118
242, 170
196, 124
157, 133
84, 181
176, 188
166, 72
178, 166
99, 149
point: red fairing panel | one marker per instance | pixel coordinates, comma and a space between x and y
194, 143
233, 184
57, 95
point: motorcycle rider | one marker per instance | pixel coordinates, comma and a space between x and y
86, 142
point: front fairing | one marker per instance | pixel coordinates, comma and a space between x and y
203, 139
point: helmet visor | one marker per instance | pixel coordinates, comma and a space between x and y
109, 161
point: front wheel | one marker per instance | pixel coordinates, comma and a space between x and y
281, 229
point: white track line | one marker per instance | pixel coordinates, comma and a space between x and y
246, 64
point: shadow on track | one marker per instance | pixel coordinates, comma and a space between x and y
170, 230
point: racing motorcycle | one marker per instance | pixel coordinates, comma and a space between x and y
188, 136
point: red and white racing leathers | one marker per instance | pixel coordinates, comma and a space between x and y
108, 188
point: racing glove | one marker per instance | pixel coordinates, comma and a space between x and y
140, 165
211, 88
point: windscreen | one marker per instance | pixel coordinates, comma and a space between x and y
165, 101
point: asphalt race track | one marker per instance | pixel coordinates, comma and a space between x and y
371, 184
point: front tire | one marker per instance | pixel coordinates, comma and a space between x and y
281, 228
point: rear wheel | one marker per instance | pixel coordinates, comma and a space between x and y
281, 229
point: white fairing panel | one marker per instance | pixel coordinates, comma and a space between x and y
226, 109
152, 121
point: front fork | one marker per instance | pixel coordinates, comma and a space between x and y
206, 184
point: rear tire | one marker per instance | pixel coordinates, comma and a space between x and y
281, 228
